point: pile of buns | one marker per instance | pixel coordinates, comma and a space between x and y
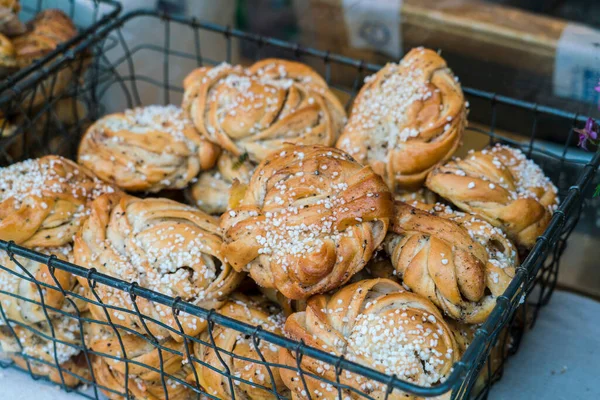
290, 194
23, 43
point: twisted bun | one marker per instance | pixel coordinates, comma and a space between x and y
458, 261
253, 311
258, 109
44, 201
502, 186
146, 149
62, 349
375, 323
406, 119
309, 219
161, 245
145, 365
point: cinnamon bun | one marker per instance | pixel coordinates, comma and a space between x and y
502, 186
406, 119
375, 323
161, 245
310, 218
146, 149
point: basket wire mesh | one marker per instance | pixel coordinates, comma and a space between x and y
117, 79
88, 15
34, 89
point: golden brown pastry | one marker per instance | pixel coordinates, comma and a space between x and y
35, 344
49, 29
8, 62
161, 245
74, 371
146, 149
144, 382
28, 312
458, 261
375, 323
256, 110
42, 204
45, 32
44, 201
253, 311
504, 187
210, 192
9, 18
310, 218
406, 119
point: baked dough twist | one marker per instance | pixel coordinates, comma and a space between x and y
74, 371
258, 109
144, 382
310, 218
33, 343
254, 311
27, 311
43, 201
162, 245
45, 32
502, 186
42, 204
146, 149
375, 323
458, 261
406, 119
9, 18
211, 192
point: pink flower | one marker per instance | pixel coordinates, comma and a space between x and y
587, 134
597, 89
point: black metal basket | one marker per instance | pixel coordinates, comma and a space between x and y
27, 95
121, 78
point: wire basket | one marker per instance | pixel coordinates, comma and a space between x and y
148, 68
28, 97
